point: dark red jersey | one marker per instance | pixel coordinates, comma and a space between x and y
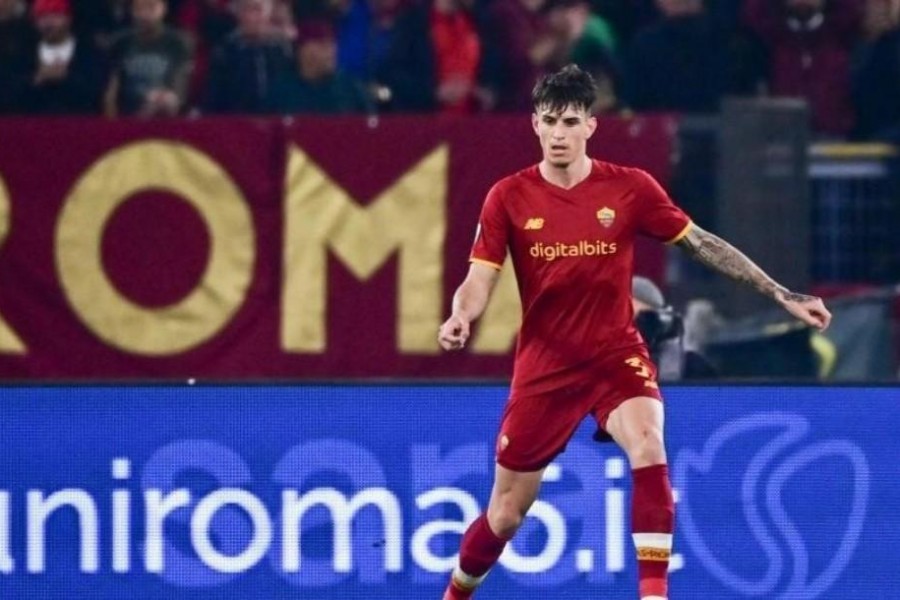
572, 251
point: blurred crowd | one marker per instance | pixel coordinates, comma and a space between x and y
198, 57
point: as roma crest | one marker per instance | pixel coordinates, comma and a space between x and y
606, 216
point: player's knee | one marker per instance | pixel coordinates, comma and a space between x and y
506, 516
647, 448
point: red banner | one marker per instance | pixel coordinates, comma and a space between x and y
239, 248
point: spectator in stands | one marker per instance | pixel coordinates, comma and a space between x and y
438, 60
354, 21
206, 20
283, 21
588, 41
17, 40
318, 9
877, 96
206, 23
67, 73
626, 17
364, 32
101, 20
151, 65
246, 65
679, 63
590, 28
526, 49
316, 85
726, 13
876, 82
382, 26
809, 42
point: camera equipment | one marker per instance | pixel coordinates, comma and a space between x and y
658, 325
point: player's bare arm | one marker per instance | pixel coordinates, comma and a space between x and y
721, 256
469, 302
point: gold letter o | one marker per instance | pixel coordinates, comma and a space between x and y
10, 343
192, 175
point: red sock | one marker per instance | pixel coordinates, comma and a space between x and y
479, 551
652, 523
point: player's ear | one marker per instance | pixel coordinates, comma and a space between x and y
534, 123
592, 125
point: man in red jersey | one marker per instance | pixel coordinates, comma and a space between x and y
570, 223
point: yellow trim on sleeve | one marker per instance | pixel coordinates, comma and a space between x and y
481, 261
682, 233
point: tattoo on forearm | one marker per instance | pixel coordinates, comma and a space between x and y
718, 254
795, 297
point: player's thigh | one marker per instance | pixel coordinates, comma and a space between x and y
637, 426
624, 375
534, 430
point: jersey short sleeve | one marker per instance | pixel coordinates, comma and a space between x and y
492, 234
657, 216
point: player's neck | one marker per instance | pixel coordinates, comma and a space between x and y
566, 177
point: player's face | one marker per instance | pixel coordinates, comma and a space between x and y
564, 134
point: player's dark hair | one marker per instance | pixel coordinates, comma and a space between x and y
570, 86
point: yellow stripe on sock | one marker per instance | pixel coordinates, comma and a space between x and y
653, 554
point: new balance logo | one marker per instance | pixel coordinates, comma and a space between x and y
536, 223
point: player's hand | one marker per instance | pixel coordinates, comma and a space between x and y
454, 333
809, 309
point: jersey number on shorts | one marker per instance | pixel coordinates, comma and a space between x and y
642, 370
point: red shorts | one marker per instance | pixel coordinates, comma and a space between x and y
535, 429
